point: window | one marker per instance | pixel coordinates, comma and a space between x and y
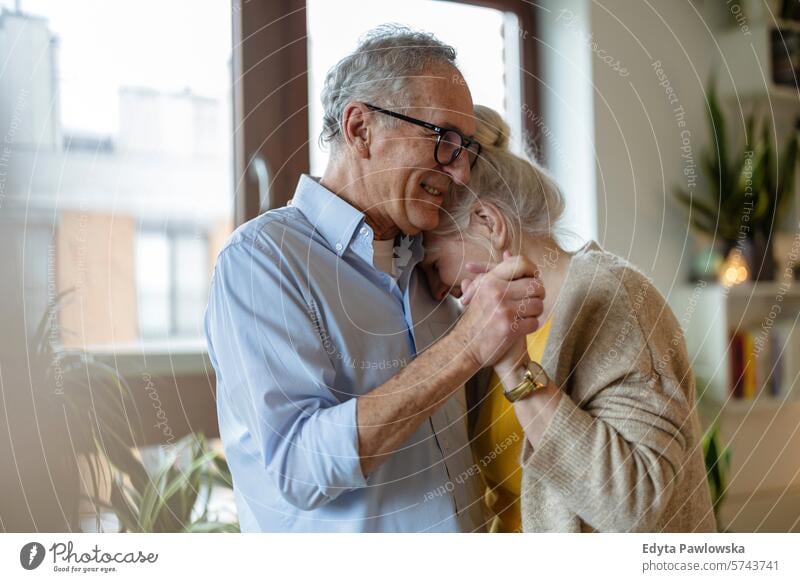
486, 41
125, 120
153, 284
171, 283
38, 245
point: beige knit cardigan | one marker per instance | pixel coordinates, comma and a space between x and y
623, 451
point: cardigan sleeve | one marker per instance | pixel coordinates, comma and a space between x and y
615, 462
615, 445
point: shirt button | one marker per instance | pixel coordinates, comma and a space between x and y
364, 231
338, 246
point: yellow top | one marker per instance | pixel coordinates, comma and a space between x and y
498, 446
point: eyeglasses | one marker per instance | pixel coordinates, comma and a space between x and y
449, 142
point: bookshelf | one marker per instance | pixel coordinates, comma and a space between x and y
764, 432
709, 313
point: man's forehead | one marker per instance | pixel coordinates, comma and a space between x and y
443, 99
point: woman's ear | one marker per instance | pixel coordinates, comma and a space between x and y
356, 119
488, 219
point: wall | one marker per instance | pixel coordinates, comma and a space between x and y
608, 48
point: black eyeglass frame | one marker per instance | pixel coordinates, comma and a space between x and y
466, 142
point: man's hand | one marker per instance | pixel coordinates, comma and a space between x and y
504, 304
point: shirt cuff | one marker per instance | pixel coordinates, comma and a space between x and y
340, 445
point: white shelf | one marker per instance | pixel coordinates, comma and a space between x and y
763, 405
762, 289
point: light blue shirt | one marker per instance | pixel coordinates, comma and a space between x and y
299, 323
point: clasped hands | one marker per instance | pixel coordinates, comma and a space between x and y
503, 304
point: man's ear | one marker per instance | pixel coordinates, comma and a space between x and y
356, 120
487, 217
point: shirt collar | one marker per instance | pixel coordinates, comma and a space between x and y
333, 217
337, 221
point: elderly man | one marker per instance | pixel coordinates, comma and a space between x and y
339, 377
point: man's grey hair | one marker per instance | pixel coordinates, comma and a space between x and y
378, 72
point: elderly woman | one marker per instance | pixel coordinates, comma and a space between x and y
591, 424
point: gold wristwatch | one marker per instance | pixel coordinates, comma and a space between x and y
535, 378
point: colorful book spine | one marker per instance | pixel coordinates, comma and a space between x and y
737, 365
766, 361
749, 376
788, 336
775, 366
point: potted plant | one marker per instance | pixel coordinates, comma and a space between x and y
717, 456
87, 413
718, 463
175, 496
749, 189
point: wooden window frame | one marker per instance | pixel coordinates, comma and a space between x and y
270, 103
528, 57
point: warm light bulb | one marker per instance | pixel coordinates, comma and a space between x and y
734, 269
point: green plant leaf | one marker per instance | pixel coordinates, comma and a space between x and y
212, 527
719, 142
123, 509
786, 178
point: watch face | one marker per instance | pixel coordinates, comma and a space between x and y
540, 377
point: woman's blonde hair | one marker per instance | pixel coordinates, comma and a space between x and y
518, 186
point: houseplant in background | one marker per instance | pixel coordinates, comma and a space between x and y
175, 495
93, 446
749, 190
718, 463
716, 454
